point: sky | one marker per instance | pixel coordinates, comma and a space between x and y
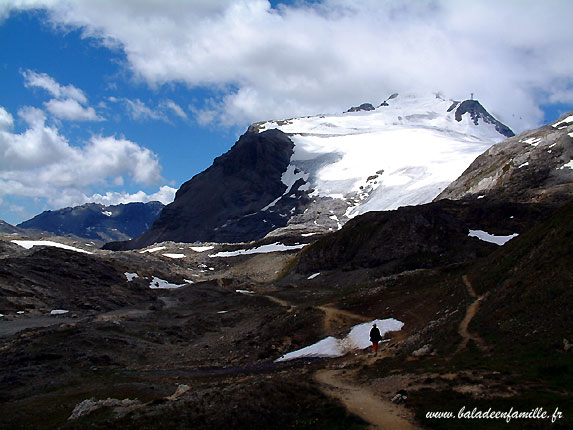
111, 102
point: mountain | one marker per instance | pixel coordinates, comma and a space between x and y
96, 221
535, 166
313, 174
6, 228
419, 237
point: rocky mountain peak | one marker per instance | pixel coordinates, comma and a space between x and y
477, 112
228, 201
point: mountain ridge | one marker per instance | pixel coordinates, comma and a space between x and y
97, 221
326, 169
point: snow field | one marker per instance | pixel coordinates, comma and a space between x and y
418, 145
358, 338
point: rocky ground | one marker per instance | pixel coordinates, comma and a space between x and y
489, 332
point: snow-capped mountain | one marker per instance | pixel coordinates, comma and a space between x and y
405, 152
315, 173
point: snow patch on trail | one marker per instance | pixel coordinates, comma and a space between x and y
357, 338
59, 312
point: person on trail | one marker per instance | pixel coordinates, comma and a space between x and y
375, 338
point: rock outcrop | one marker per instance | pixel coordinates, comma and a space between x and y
534, 166
225, 202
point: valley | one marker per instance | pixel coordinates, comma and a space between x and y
248, 302
216, 340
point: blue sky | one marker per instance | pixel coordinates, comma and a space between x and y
114, 102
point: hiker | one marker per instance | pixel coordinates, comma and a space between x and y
375, 338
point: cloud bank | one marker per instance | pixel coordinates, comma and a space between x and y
309, 58
41, 163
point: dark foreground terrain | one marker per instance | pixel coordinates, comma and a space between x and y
487, 329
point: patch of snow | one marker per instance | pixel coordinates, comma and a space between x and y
174, 255
31, 243
335, 218
486, 237
533, 141
188, 281
107, 213
244, 292
567, 166
313, 275
201, 248
20, 312
357, 338
58, 312
158, 248
131, 276
1, 315
566, 120
273, 247
222, 312
160, 283
308, 234
523, 165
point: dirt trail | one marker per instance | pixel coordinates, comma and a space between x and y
335, 318
470, 313
359, 400
281, 302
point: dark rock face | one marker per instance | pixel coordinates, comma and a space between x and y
530, 167
224, 203
477, 112
95, 221
362, 107
417, 237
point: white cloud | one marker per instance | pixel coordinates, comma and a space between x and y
41, 163
6, 120
319, 57
140, 111
165, 195
70, 109
37, 146
69, 101
170, 105
42, 80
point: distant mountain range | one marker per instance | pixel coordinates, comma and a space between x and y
313, 174
96, 221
